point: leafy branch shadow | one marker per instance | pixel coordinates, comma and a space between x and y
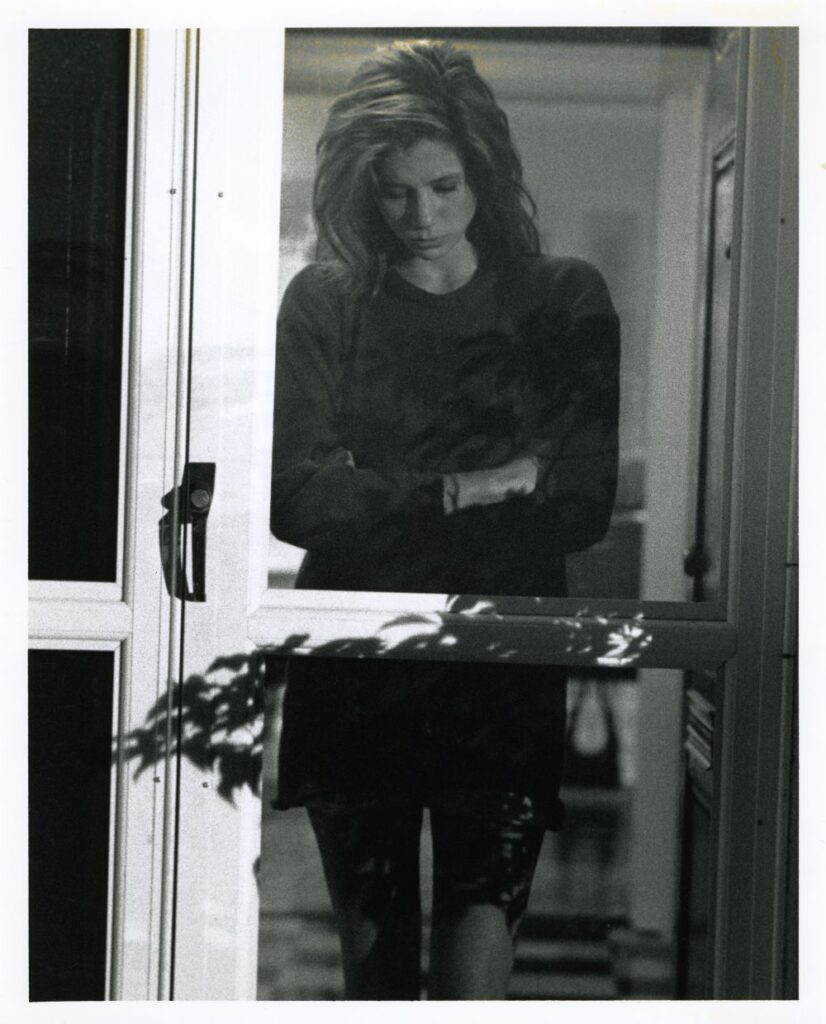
216, 721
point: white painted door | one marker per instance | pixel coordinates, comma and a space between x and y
233, 313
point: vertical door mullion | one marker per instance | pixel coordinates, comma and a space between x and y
233, 321
126, 490
186, 196
158, 333
756, 756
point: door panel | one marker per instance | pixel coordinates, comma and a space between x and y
233, 315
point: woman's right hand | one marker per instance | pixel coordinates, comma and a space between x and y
491, 486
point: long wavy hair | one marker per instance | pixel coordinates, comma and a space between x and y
406, 92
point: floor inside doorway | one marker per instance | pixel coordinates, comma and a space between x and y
580, 896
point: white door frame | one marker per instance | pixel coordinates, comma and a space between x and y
756, 756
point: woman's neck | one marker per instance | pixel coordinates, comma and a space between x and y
440, 276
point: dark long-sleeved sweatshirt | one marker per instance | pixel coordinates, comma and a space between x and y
377, 400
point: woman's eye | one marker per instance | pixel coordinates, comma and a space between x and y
392, 195
443, 190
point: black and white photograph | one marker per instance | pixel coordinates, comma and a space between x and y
412, 511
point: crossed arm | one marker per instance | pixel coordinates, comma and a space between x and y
321, 499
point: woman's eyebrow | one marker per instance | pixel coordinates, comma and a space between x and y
387, 181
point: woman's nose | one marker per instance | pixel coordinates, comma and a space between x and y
420, 211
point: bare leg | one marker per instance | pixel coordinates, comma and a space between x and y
482, 873
381, 959
371, 863
471, 955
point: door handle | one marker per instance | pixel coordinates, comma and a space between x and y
194, 499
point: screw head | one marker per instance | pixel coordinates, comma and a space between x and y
200, 498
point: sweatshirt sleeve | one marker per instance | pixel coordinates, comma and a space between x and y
319, 499
576, 434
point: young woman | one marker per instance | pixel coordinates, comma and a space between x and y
445, 421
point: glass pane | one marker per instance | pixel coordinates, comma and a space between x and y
618, 133
78, 94
70, 763
603, 910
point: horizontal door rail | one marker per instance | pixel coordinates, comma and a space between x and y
79, 620
596, 641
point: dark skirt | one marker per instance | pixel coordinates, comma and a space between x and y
417, 728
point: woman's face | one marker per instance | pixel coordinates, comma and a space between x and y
426, 201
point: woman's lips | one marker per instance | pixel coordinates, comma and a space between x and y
425, 243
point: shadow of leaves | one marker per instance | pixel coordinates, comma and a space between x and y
216, 721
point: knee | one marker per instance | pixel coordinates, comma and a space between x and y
471, 953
